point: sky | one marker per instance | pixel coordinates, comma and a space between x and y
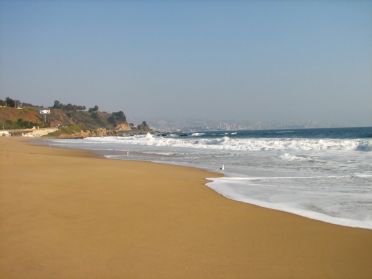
268, 61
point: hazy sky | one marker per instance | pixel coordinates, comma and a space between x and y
293, 61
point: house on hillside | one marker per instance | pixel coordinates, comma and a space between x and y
44, 111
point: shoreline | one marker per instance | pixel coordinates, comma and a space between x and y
101, 156
312, 215
68, 214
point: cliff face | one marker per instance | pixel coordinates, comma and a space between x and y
123, 127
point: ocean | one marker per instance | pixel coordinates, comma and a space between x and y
323, 174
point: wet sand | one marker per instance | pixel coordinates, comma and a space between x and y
70, 214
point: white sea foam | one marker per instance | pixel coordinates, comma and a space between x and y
197, 134
113, 156
160, 153
244, 144
290, 157
235, 188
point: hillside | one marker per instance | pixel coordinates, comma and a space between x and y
13, 118
69, 118
84, 119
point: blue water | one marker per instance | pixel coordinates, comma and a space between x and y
324, 174
332, 133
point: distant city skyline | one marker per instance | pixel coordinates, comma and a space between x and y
271, 62
234, 125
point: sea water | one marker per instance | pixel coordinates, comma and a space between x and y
324, 174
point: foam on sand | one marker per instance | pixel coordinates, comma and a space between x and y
245, 189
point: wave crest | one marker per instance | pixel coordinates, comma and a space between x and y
364, 146
247, 144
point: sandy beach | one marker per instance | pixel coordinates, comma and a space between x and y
71, 214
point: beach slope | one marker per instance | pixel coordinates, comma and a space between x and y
69, 214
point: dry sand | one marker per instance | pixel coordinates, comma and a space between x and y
69, 214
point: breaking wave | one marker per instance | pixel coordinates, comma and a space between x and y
243, 144
364, 146
197, 134
290, 157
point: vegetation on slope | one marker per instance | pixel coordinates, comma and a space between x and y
13, 118
70, 118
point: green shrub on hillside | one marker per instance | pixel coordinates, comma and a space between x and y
66, 130
19, 124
